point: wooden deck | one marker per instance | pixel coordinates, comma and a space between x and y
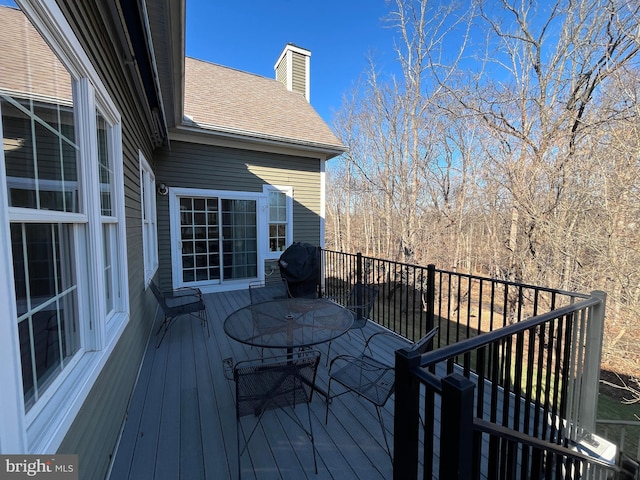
181, 421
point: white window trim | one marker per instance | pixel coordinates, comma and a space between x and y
288, 191
43, 428
148, 209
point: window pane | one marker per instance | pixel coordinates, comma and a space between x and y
277, 207
108, 240
105, 166
41, 157
149, 231
277, 221
46, 296
18, 153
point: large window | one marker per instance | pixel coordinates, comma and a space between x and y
280, 219
149, 227
63, 216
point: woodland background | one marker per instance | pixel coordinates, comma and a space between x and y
506, 143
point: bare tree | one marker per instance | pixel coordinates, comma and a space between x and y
508, 144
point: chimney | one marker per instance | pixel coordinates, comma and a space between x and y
292, 69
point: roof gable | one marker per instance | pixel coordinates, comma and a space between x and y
226, 100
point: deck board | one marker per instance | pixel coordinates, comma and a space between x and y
181, 421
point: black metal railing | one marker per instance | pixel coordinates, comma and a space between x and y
413, 299
517, 402
532, 355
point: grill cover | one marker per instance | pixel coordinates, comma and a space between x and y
300, 267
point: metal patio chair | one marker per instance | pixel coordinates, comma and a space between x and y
185, 301
370, 378
260, 293
281, 382
359, 302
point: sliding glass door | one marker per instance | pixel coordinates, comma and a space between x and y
217, 239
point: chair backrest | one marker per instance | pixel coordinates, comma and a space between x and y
255, 288
425, 343
301, 290
361, 300
159, 296
274, 383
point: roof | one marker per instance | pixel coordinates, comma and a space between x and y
43, 66
217, 99
36, 71
226, 100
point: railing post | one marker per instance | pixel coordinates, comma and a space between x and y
431, 296
406, 417
456, 432
592, 358
321, 273
359, 268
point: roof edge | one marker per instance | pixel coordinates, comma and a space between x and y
215, 131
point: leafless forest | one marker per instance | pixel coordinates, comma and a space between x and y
506, 143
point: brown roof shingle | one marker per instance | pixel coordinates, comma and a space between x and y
28, 67
224, 99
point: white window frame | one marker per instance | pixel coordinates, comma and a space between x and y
149, 219
288, 191
43, 427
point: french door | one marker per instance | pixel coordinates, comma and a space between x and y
214, 239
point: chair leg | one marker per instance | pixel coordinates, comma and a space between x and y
326, 363
384, 431
205, 321
313, 443
327, 401
164, 326
238, 427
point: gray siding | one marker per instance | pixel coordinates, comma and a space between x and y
299, 70
281, 72
94, 433
190, 165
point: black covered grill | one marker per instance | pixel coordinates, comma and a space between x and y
300, 268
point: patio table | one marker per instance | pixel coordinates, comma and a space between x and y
290, 323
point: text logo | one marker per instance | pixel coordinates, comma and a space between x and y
50, 467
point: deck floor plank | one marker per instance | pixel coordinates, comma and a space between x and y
181, 421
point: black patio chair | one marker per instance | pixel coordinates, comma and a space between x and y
185, 301
359, 302
260, 293
275, 383
370, 378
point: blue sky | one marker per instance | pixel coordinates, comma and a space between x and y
249, 35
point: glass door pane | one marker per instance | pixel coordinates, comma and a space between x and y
240, 244
200, 239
